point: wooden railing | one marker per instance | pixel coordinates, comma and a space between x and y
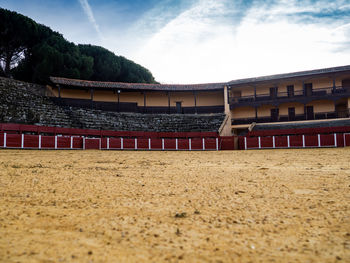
297, 117
320, 92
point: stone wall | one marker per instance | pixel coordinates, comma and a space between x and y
27, 103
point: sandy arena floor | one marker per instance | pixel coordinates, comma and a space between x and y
241, 206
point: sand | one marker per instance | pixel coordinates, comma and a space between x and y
230, 206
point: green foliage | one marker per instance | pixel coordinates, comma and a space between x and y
35, 52
109, 67
17, 33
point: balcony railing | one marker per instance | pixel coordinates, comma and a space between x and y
297, 117
290, 96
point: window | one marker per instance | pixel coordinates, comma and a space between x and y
308, 89
274, 114
290, 90
291, 114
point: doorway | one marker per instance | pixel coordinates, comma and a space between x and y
308, 89
178, 107
291, 114
274, 114
310, 113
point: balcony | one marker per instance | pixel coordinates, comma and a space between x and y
298, 117
302, 96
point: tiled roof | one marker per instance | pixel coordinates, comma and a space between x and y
136, 86
299, 74
195, 87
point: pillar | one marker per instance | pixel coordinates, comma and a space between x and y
195, 102
168, 101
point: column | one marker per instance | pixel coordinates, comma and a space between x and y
168, 101
92, 97
195, 102
59, 90
254, 92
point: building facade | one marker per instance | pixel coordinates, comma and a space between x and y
307, 96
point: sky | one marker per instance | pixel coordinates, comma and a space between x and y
204, 41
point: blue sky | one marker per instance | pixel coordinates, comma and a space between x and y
198, 41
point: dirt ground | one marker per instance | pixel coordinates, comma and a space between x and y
230, 206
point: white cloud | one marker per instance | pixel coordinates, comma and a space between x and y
199, 45
88, 11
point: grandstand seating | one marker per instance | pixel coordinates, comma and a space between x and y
28, 104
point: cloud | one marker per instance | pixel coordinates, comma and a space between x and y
224, 40
88, 11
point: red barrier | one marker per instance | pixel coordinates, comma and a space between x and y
31, 141
1, 139
305, 131
281, 141
156, 144
48, 142
13, 140
227, 143
183, 144
77, 143
142, 143
170, 144
340, 140
266, 142
311, 140
92, 143
114, 143
252, 142
327, 139
210, 143
196, 144
63, 142
128, 143
346, 139
296, 141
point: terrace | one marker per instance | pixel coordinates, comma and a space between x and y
297, 117
302, 96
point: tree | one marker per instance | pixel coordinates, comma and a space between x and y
17, 33
109, 67
33, 52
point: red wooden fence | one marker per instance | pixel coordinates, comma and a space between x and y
295, 141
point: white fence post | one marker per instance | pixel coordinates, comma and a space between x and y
108, 143
245, 143
56, 142
22, 141
149, 143
135, 143
217, 144
273, 142
71, 142
5, 140
203, 144
162, 143
335, 140
100, 143
177, 144
190, 144
40, 141
121, 143
303, 141
259, 139
319, 140
83, 143
288, 141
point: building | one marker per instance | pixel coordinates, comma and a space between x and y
297, 97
